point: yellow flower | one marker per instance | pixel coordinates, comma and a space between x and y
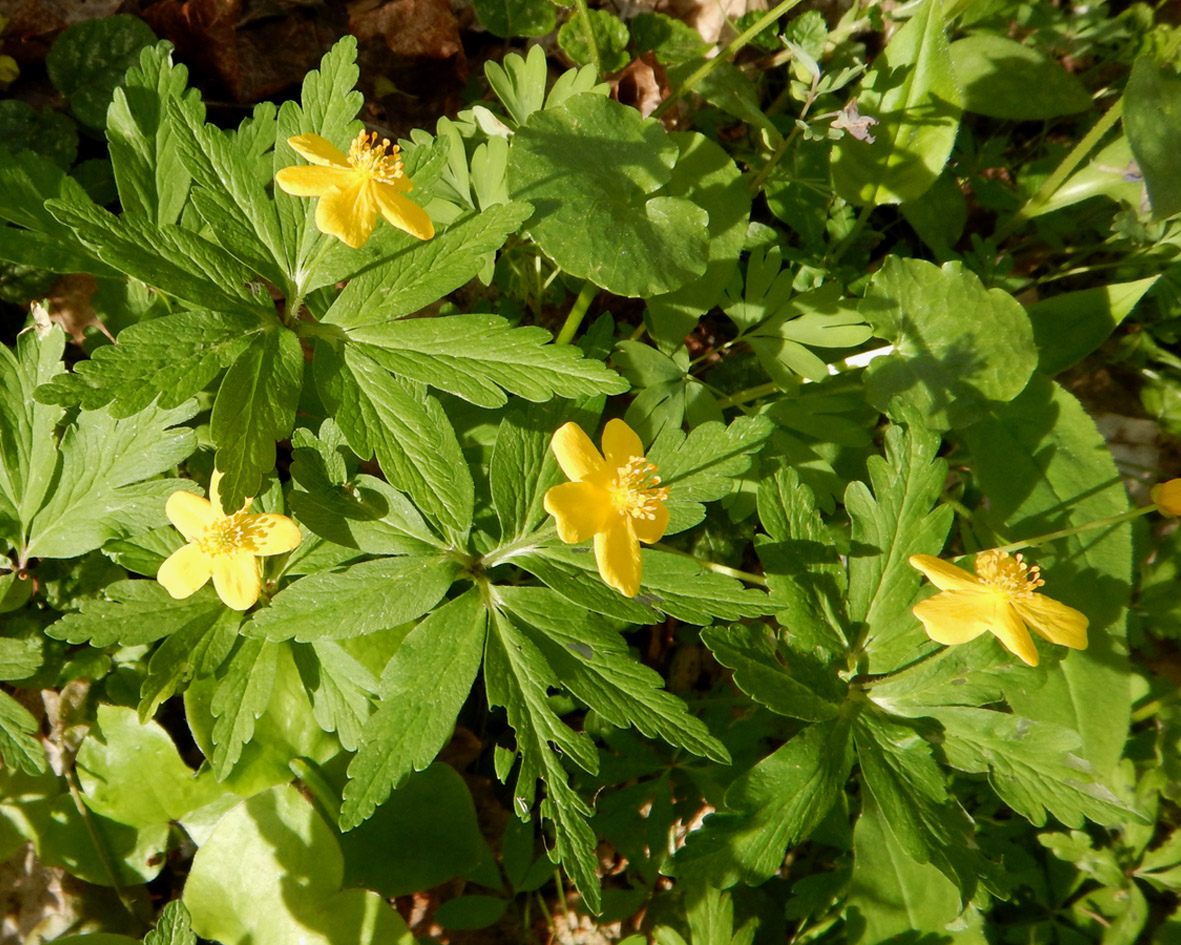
353, 189
1166, 496
222, 547
1001, 597
618, 500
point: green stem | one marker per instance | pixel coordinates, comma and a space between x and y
577, 310
296, 298
592, 44
520, 546
714, 566
315, 782
1105, 123
1065, 532
710, 64
751, 393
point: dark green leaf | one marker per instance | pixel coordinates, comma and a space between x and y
239, 698
998, 75
87, 62
132, 613
508, 18
196, 649
611, 38
1152, 102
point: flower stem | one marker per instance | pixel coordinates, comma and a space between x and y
592, 44
724, 56
746, 576
1064, 532
520, 546
751, 393
578, 309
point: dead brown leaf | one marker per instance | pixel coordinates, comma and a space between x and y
418, 29
642, 84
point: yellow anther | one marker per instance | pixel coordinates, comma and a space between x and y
379, 162
636, 489
1008, 573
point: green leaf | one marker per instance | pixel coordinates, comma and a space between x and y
593, 663
702, 466
890, 524
1044, 466
255, 406
26, 183
175, 356
422, 690
607, 221
1068, 327
132, 613
87, 62
517, 677
152, 181
947, 366
911, 90
611, 38
1032, 766
341, 688
773, 806
907, 783
175, 927
805, 575
361, 598
240, 887
997, 76
172, 259
19, 746
684, 589
893, 896
508, 18
523, 467
99, 492
240, 697
763, 671
20, 657
49, 134
1152, 104
479, 357
407, 429
707, 175
132, 773
572, 573
195, 650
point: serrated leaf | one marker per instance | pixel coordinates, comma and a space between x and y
255, 406
572, 573
908, 785
593, 663
239, 698
702, 466
517, 677
18, 746
361, 598
19, 656
409, 432
151, 179
950, 368
890, 524
172, 259
340, 687
764, 673
608, 222
197, 649
132, 613
479, 357
420, 272
175, 356
422, 690
911, 90
770, 808
174, 927
99, 490
1032, 766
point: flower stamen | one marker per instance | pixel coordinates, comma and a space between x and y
1008, 574
636, 489
371, 159
227, 536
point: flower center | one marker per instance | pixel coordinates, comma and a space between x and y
370, 159
636, 489
227, 536
1008, 574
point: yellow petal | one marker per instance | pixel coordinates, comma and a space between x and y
305, 181
317, 150
576, 453
185, 571
402, 212
236, 580
279, 534
952, 617
650, 530
580, 510
1054, 621
945, 576
1166, 496
620, 444
1011, 631
348, 213
617, 553
191, 514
